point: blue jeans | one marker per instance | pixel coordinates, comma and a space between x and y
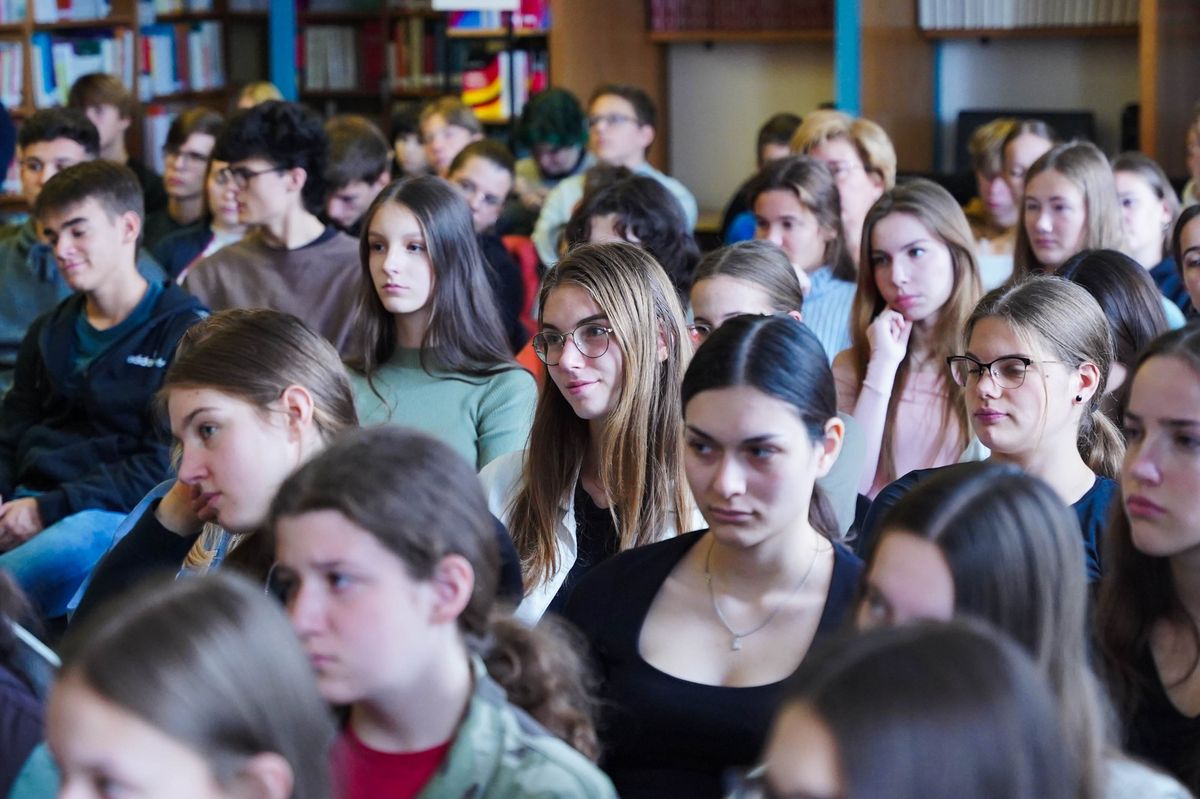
52, 565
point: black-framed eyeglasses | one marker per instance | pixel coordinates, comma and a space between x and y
1006, 372
241, 176
185, 157
699, 331
591, 339
609, 119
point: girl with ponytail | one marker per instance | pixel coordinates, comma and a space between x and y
391, 590
1034, 366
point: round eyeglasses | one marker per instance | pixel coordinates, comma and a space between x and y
1006, 372
590, 339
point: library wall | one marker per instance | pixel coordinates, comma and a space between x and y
1095, 74
720, 94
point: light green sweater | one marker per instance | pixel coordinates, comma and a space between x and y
482, 419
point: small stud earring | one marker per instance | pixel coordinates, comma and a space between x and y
1079, 398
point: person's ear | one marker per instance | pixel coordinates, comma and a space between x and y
646, 135
797, 315
385, 177
130, 224
830, 446
266, 775
453, 583
1087, 380
295, 178
1117, 373
299, 407
664, 346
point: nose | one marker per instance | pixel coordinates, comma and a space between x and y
1144, 464
304, 608
1043, 221
775, 235
63, 245
191, 466
571, 358
729, 480
986, 386
900, 272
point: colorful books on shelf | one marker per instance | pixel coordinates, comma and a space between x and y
417, 57
498, 88
13, 11
65, 10
12, 74
60, 57
1000, 14
180, 57
533, 15
156, 121
329, 55
183, 6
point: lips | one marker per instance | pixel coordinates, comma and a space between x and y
393, 288
1142, 508
577, 387
987, 416
1045, 244
905, 301
728, 515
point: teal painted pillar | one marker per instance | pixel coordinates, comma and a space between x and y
281, 45
847, 56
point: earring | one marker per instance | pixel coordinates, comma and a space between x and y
1079, 398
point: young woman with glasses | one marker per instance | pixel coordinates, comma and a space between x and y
695, 636
917, 283
437, 357
603, 471
220, 227
1036, 363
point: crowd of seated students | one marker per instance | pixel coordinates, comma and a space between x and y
304, 509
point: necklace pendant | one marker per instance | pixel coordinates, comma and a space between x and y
736, 643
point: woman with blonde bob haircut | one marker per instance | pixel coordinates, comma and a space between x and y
918, 284
604, 468
1070, 205
152, 699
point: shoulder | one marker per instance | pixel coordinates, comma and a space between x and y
1129, 779
513, 380
1098, 498
884, 501
647, 564
843, 365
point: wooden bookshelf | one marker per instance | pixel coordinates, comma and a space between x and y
757, 37
1073, 32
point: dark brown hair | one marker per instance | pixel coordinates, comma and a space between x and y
114, 186
193, 120
357, 152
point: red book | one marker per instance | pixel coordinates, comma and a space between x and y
372, 55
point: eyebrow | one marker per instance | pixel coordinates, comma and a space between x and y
187, 420
593, 318
759, 439
912, 243
69, 223
1166, 422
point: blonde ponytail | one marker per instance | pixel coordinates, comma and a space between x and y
1101, 443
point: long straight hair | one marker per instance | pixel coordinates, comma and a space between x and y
936, 210
1085, 166
1138, 590
214, 664
1061, 319
1015, 556
641, 456
465, 335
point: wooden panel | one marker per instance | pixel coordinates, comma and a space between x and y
1170, 80
898, 80
607, 42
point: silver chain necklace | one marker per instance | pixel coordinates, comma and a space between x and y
735, 643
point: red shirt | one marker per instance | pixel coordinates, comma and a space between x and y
360, 772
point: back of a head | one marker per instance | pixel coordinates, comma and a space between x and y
871, 141
214, 664
936, 711
759, 263
286, 134
358, 152
254, 354
553, 118
114, 186
48, 124
100, 88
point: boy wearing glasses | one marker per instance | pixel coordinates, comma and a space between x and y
79, 444
49, 141
290, 260
621, 123
186, 154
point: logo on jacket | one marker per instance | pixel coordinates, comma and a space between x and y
147, 361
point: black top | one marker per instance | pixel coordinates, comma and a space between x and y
179, 250
1159, 733
154, 193
664, 736
151, 549
1092, 509
1170, 284
596, 541
158, 226
505, 279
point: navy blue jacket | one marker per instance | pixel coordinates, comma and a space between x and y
97, 444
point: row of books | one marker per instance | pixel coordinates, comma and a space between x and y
12, 74
497, 89
180, 57
985, 14
532, 15
63, 10
416, 57
156, 121
182, 6
329, 57
13, 11
61, 57
740, 15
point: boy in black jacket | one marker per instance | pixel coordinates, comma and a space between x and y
79, 441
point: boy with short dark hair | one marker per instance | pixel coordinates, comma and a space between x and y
186, 155
49, 141
621, 120
80, 443
360, 166
110, 105
291, 261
